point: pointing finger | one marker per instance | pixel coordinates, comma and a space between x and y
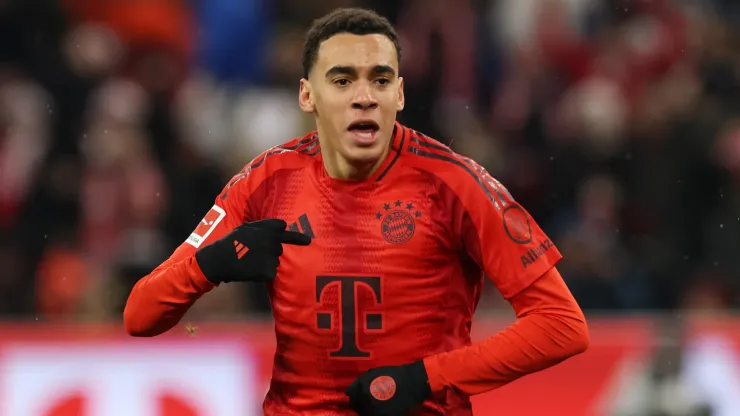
295, 238
270, 224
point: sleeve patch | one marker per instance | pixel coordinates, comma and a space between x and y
209, 222
517, 225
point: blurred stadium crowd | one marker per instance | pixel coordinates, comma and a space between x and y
613, 122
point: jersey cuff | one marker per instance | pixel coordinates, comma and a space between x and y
434, 374
199, 279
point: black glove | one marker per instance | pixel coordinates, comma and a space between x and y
249, 253
390, 391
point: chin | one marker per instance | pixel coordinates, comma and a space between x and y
364, 155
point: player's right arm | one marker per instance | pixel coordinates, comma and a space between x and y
160, 299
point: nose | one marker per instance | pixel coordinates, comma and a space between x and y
364, 98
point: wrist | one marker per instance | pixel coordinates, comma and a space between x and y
208, 264
417, 371
199, 278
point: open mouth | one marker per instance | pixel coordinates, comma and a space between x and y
364, 126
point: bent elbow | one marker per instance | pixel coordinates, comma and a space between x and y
137, 332
137, 324
570, 334
133, 325
140, 330
581, 339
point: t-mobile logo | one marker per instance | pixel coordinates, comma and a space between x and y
350, 326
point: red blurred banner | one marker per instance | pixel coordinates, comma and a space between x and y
223, 369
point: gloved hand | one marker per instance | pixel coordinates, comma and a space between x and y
390, 391
249, 253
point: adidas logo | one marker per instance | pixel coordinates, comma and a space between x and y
302, 226
241, 249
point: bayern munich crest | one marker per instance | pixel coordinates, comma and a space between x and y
398, 221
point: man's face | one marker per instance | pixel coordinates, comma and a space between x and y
354, 92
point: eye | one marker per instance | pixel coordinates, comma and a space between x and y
383, 81
342, 82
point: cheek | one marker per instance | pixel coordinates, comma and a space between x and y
325, 107
332, 114
331, 103
390, 104
390, 98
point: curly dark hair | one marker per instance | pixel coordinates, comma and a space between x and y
356, 21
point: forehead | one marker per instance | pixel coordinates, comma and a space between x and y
346, 49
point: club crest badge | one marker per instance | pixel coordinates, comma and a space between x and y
398, 221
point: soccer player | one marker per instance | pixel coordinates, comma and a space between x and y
374, 282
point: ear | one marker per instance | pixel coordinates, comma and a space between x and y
401, 97
305, 97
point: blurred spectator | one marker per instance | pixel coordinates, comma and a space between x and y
601, 272
615, 123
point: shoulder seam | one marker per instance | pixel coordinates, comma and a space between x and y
494, 190
304, 146
307, 146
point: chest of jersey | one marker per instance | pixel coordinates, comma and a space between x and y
370, 228
372, 233
380, 260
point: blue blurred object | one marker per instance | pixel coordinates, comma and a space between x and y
233, 38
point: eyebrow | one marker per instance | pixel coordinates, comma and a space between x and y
352, 71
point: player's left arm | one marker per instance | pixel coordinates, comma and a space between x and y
520, 259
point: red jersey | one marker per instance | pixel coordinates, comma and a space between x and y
394, 271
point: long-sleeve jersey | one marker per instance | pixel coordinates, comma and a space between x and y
393, 275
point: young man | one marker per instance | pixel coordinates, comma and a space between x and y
375, 282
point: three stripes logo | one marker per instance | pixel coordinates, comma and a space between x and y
241, 249
302, 226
